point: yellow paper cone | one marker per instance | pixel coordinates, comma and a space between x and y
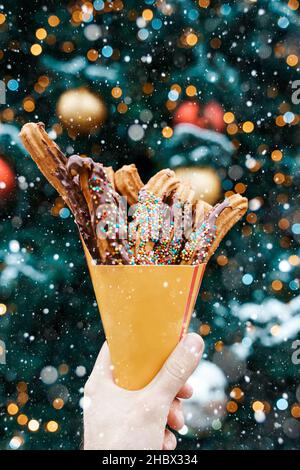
144, 310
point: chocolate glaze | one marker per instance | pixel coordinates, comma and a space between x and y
215, 212
102, 194
210, 226
76, 165
74, 199
201, 238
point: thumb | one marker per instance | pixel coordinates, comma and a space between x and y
179, 366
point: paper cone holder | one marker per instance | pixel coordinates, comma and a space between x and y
145, 310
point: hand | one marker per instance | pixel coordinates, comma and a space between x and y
119, 419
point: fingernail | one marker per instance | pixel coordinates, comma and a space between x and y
194, 343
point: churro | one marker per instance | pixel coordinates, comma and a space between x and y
205, 239
145, 229
128, 183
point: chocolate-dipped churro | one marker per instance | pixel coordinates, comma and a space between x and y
176, 226
104, 205
52, 163
145, 229
204, 240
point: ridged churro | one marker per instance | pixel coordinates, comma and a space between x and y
128, 183
52, 163
145, 230
237, 207
174, 225
205, 239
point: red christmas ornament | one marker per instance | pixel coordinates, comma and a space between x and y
202, 122
187, 112
209, 117
213, 114
7, 179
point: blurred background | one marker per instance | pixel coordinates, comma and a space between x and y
209, 89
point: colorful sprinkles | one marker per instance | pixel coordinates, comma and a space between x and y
157, 234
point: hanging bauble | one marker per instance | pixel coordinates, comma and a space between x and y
213, 114
205, 181
81, 111
187, 112
208, 116
7, 180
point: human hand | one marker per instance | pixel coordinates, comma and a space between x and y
119, 419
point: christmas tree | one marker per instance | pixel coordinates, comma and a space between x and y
204, 87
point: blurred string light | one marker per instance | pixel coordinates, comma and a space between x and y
191, 90
92, 32
12, 409
258, 406
36, 49
204, 3
58, 403
173, 95
98, 5
225, 9
116, 92
52, 426
247, 279
92, 55
29, 104
143, 34
282, 404
296, 229
276, 155
147, 14
189, 38
228, 117
248, 127
295, 410
22, 419
13, 85
33, 425
293, 4
193, 14
156, 24
41, 33
3, 309
107, 51
167, 132
292, 60
53, 21
237, 394
87, 12
288, 117
16, 442
136, 132
283, 22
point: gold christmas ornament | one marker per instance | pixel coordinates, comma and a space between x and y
204, 181
81, 111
